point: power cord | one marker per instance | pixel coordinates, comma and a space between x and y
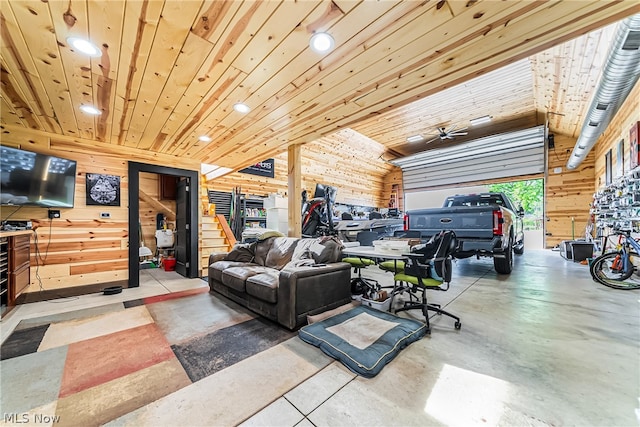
40, 261
4, 221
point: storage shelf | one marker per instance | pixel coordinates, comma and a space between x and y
617, 206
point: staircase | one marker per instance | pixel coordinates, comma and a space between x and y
213, 239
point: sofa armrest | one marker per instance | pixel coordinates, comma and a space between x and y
218, 256
308, 290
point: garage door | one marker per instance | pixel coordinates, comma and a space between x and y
498, 156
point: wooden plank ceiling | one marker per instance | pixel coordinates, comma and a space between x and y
171, 71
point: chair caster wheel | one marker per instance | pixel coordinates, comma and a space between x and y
458, 325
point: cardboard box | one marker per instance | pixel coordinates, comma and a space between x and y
378, 305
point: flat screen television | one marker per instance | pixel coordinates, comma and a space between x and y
33, 179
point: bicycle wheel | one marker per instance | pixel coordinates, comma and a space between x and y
606, 269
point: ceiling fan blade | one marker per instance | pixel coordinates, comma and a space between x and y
458, 133
454, 130
432, 139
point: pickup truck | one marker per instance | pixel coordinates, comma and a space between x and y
486, 224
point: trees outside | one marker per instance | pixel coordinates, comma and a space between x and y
529, 194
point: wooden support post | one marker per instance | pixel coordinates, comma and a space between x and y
294, 166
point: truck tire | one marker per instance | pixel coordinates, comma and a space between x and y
505, 265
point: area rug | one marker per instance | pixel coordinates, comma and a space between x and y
363, 339
63, 364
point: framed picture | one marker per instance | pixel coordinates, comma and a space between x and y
103, 190
608, 166
620, 158
634, 145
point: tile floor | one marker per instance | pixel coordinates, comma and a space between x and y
543, 346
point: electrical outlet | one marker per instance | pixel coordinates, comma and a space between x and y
54, 214
105, 215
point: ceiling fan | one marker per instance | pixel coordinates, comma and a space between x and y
444, 133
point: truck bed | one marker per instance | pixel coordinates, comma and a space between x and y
468, 222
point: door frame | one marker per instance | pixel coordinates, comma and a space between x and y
134, 216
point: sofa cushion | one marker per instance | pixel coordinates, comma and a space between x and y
216, 269
321, 250
235, 277
261, 249
326, 250
264, 286
241, 252
281, 251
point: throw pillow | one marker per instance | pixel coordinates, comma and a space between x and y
326, 250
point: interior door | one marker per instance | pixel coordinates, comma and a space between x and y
183, 239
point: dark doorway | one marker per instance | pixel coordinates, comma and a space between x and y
188, 227
182, 227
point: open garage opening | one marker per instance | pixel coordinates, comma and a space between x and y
526, 193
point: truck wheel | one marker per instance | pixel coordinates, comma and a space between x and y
505, 265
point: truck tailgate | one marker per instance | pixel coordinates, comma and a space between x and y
473, 222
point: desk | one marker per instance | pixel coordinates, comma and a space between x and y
374, 253
371, 252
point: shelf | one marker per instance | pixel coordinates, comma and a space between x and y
616, 206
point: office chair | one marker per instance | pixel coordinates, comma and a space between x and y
359, 284
428, 267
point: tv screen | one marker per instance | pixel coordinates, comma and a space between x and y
34, 179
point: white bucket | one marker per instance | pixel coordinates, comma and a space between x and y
164, 238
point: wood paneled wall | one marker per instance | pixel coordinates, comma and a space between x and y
618, 129
568, 194
346, 159
81, 248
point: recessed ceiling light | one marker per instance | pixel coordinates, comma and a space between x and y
480, 120
90, 109
85, 46
415, 138
204, 138
321, 42
241, 108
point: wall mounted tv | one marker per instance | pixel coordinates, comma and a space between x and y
33, 179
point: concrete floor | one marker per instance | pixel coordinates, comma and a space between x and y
543, 346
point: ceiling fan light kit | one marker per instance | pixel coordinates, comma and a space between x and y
443, 133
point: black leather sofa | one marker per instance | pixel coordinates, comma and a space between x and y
283, 278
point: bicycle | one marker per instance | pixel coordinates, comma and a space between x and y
616, 269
